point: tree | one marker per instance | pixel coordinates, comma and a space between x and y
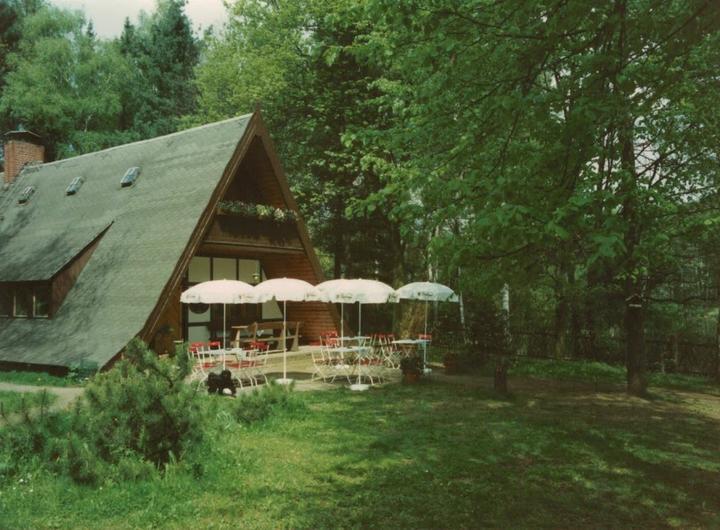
566, 141
64, 84
163, 52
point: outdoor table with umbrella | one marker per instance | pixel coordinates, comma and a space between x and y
218, 292
344, 291
286, 290
430, 292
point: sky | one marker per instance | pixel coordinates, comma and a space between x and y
108, 16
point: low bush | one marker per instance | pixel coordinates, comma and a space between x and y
271, 399
142, 407
132, 419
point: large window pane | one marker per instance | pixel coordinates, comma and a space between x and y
6, 301
23, 301
248, 268
272, 311
198, 313
199, 269
42, 301
198, 334
224, 269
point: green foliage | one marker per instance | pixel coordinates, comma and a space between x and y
258, 211
163, 52
142, 407
259, 405
12, 402
36, 379
63, 82
137, 416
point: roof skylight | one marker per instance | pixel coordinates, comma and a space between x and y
130, 176
74, 186
25, 195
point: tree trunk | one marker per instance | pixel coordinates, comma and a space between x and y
560, 331
500, 382
502, 363
635, 356
717, 343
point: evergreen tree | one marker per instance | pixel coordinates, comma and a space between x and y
163, 52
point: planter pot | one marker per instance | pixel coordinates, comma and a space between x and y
411, 378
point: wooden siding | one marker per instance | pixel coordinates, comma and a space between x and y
170, 326
315, 317
253, 232
65, 279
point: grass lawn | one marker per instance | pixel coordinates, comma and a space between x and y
434, 455
597, 372
36, 379
11, 402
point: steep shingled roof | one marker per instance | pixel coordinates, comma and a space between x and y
150, 225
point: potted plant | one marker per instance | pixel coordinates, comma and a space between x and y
412, 369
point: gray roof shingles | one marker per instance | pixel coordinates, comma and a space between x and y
150, 225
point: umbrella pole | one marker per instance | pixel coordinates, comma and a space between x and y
425, 337
284, 339
359, 319
223, 336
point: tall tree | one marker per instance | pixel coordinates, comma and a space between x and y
64, 84
164, 52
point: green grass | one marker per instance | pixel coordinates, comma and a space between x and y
597, 372
11, 402
36, 379
432, 456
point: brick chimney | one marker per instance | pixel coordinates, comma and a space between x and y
20, 148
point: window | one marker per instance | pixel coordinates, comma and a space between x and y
25, 300
41, 301
6, 301
74, 186
199, 270
25, 195
205, 321
130, 176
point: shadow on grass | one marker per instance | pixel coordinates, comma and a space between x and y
436, 456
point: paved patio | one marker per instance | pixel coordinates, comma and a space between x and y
300, 369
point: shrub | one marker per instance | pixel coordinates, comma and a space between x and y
143, 407
261, 404
134, 418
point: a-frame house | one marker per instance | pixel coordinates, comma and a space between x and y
96, 249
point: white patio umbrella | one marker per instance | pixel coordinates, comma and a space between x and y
430, 292
286, 290
347, 291
373, 292
218, 292
340, 291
